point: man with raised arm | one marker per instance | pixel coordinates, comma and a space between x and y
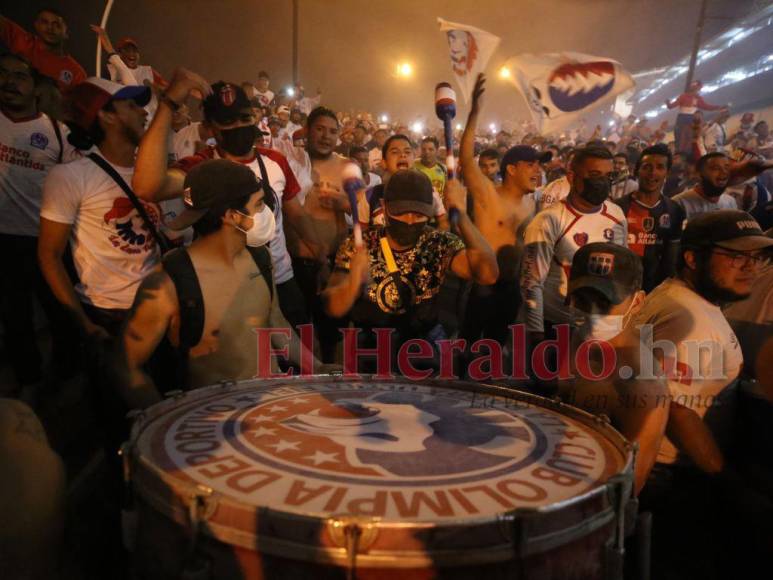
499, 212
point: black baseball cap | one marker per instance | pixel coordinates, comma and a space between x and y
523, 153
731, 229
226, 104
211, 184
409, 190
613, 270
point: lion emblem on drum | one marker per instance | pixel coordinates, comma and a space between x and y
389, 434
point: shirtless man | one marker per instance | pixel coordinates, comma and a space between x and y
225, 205
500, 212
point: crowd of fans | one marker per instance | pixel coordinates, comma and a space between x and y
158, 246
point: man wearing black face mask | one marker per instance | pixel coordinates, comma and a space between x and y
228, 115
708, 195
556, 233
393, 279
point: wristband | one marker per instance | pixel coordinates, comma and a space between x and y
164, 98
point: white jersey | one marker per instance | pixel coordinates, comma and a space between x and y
112, 250
552, 193
694, 203
265, 97
551, 240
701, 354
29, 148
623, 188
183, 142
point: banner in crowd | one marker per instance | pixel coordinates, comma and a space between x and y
470, 49
560, 88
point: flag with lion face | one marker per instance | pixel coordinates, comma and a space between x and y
470, 49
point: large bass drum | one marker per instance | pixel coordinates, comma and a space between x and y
327, 477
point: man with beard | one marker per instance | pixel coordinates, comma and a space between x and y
327, 205
228, 115
500, 213
85, 206
721, 256
555, 234
360, 156
654, 221
45, 48
393, 279
32, 143
708, 195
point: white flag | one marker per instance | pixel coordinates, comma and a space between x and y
470, 49
560, 88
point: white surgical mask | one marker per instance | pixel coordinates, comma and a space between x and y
263, 227
601, 326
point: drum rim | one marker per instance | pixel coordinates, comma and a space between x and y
180, 487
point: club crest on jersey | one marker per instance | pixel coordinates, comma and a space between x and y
38, 140
65, 76
609, 234
647, 223
601, 263
228, 95
580, 238
665, 221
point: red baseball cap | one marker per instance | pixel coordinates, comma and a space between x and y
89, 97
126, 41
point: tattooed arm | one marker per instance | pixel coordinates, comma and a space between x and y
149, 319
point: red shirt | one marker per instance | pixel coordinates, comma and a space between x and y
65, 70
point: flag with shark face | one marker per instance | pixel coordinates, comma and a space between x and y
560, 88
470, 49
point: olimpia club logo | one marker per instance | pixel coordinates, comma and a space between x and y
574, 86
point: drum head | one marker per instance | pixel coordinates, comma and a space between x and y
399, 453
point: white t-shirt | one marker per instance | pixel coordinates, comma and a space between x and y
622, 188
694, 203
184, 141
112, 250
265, 98
373, 179
705, 357
552, 193
28, 150
551, 240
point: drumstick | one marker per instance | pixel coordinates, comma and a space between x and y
445, 109
353, 182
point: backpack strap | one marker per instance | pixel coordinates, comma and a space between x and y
163, 245
178, 265
58, 133
262, 258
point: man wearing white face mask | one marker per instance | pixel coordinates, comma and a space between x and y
208, 299
605, 291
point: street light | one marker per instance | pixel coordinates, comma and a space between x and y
384, 118
492, 128
290, 92
504, 73
417, 127
458, 126
405, 70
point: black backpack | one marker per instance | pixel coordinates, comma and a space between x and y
178, 265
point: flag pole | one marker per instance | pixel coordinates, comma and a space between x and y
102, 24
